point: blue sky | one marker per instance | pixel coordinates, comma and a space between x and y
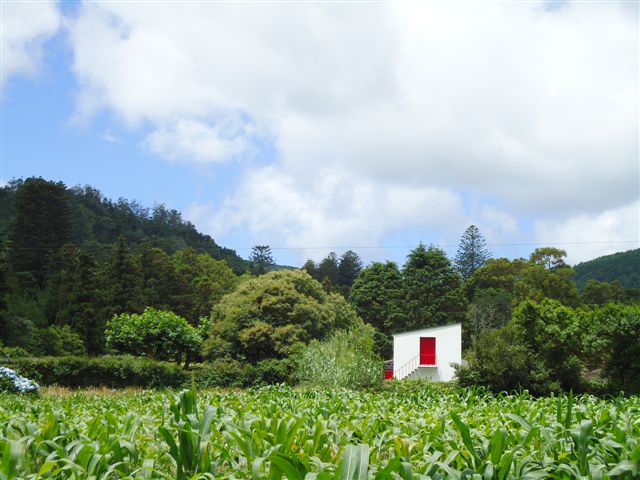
312, 127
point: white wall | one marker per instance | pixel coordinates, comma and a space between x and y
406, 346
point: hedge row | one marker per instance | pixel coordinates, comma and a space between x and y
128, 371
107, 371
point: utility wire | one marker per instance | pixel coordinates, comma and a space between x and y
603, 242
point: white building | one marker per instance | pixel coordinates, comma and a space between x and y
427, 353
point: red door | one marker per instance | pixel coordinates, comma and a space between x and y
427, 351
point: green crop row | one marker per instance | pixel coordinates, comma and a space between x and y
411, 432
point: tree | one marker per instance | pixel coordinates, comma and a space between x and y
538, 282
498, 273
41, 226
154, 333
490, 309
472, 252
328, 269
256, 321
612, 344
548, 257
601, 293
125, 280
311, 268
379, 297
84, 309
539, 349
201, 283
434, 292
349, 267
260, 259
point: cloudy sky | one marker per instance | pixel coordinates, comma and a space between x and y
317, 126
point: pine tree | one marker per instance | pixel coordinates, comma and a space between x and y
472, 252
349, 267
41, 226
125, 280
260, 258
84, 311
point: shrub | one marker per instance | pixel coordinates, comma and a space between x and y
107, 371
224, 372
155, 333
56, 340
346, 359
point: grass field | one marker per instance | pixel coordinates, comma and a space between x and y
406, 431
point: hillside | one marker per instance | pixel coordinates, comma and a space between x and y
98, 221
623, 267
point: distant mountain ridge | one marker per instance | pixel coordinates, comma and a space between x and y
99, 221
623, 267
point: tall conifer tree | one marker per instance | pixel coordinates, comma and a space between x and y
472, 252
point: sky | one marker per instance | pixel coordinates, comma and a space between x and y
326, 126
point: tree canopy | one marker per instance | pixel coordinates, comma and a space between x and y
434, 289
268, 316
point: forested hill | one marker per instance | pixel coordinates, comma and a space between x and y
623, 267
97, 221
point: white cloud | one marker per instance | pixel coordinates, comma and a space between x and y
619, 226
536, 108
25, 26
328, 210
197, 142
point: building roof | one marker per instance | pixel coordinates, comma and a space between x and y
428, 329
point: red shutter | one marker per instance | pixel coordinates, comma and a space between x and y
427, 351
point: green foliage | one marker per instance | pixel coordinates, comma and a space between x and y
349, 268
539, 349
472, 252
601, 293
201, 282
497, 273
538, 282
277, 432
261, 259
227, 372
154, 333
553, 335
612, 343
328, 269
347, 359
107, 371
548, 257
378, 295
623, 267
268, 316
41, 225
59, 340
434, 292
490, 308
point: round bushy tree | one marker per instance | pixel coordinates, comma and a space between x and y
268, 316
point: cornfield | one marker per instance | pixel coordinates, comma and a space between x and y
407, 432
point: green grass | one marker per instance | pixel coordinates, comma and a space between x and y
405, 432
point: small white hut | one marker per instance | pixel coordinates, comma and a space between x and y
427, 353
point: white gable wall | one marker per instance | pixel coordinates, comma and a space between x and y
406, 347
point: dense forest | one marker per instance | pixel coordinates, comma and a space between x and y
83, 279
621, 267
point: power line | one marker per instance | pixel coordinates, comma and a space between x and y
364, 247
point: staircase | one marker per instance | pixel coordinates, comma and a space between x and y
409, 369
